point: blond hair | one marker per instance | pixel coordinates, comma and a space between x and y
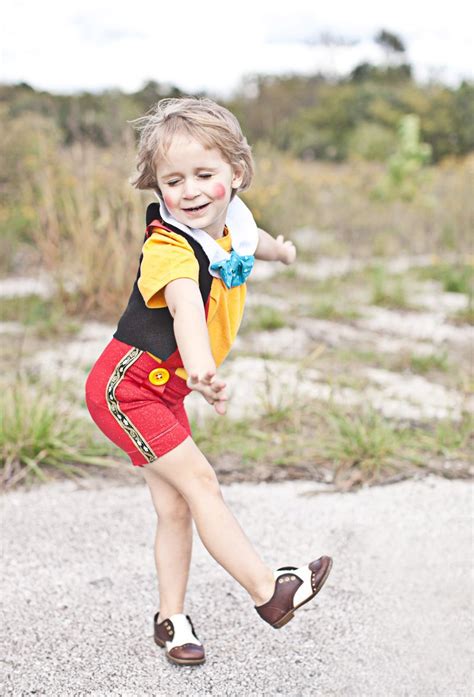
212, 125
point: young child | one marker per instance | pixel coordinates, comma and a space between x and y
181, 320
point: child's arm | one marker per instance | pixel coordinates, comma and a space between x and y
185, 304
271, 249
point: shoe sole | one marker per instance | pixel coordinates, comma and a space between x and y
180, 661
289, 615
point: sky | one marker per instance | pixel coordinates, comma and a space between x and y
73, 45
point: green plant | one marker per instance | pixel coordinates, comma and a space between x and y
47, 317
454, 278
464, 316
263, 317
328, 309
222, 436
365, 441
448, 438
434, 361
405, 165
388, 292
38, 434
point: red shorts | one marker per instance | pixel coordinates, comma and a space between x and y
137, 402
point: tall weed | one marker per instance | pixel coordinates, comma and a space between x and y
38, 436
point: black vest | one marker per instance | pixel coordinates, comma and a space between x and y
151, 329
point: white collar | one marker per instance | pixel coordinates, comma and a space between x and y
242, 228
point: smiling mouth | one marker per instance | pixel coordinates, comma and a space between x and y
196, 208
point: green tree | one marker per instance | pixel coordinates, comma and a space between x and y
404, 167
391, 43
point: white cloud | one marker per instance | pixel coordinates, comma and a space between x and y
94, 44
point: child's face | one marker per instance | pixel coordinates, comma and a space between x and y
196, 184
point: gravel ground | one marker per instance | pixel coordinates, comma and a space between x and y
79, 593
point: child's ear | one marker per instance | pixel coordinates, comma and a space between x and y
237, 175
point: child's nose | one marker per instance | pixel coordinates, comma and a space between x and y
190, 189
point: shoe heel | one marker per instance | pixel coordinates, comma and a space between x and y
284, 620
159, 642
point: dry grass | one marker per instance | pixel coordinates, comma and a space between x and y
338, 446
39, 435
86, 222
76, 209
340, 199
90, 232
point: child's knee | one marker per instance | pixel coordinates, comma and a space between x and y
169, 503
174, 511
205, 479
188, 470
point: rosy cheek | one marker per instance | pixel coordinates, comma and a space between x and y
169, 202
219, 191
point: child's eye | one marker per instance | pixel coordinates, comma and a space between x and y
173, 182
205, 175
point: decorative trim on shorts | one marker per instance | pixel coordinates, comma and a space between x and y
112, 402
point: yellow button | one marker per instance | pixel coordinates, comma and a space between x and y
159, 376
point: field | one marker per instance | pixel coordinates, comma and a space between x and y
355, 363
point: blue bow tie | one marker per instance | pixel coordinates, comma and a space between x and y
234, 271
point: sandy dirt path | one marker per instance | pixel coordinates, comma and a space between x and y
394, 618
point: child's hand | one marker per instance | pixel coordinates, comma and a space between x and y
211, 388
286, 250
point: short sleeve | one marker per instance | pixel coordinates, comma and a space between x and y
166, 257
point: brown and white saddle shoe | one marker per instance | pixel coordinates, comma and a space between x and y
176, 634
293, 588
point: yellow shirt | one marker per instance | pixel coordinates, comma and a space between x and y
168, 256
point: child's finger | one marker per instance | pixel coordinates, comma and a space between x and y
220, 408
218, 386
216, 395
209, 376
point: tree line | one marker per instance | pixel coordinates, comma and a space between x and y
311, 117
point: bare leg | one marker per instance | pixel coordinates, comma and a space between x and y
186, 469
173, 543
